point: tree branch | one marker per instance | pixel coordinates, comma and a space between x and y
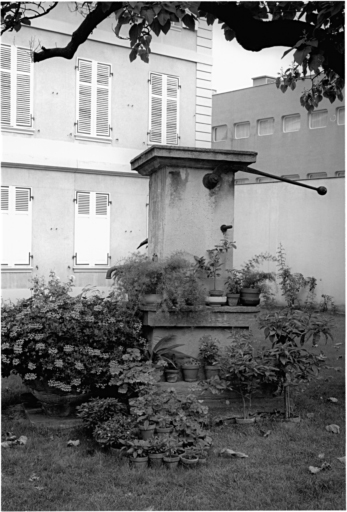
90, 22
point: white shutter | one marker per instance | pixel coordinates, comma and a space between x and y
23, 80
171, 110
242, 130
16, 226
103, 74
92, 229
163, 116
93, 98
6, 82
84, 115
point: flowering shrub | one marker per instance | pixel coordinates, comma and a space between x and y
209, 351
66, 341
99, 410
115, 431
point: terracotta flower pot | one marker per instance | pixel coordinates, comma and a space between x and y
172, 375
190, 372
189, 460
171, 462
211, 371
163, 430
138, 462
250, 296
147, 433
54, 404
156, 459
233, 299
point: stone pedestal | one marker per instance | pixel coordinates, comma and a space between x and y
183, 214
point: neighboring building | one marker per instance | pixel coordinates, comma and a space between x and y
70, 202
297, 145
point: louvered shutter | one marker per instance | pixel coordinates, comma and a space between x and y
23, 96
6, 84
103, 74
171, 121
16, 225
163, 125
92, 229
84, 115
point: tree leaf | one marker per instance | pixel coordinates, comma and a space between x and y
156, 27
229, 34
286, 52
300, 55
165, 28
189, 21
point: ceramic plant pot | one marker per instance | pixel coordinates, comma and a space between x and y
171, 375
189, 460
211, 371
138, 462
233, 299
190, 372
151, 298
216, 301
155, 459
171, 462
216, 293
56, 404
245, 421
163, 430
147, 433
250, 296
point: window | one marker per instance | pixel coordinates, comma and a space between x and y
16, 226
242, 130
340, 174
315, 175
291, 176
291, 123
318, 119
92, 229
220, 133
266, 126
93, 98
341, 116
264, 180
241, 181
16, 87
163, 109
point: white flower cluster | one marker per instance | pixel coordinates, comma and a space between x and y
5, 359
68, 348
17, 361
17, 349
52, 351
79, 366
29, 376
97, 308
58, 363
5, 345
31, 366
40, 346
76, 382
59, 385
93, 351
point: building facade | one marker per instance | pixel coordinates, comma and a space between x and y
70, 202
291, 143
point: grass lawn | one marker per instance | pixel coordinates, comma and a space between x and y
275, 476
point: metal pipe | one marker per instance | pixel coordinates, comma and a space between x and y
109, 272
321, 190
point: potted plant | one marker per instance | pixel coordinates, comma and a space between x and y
209, 353
233, 286
190, 368
147, 430
163, 422
156, 451
254, 281
137, 451
165, 351
63, 345
115, 432
189, 460
294, 365
212, 269
173, 453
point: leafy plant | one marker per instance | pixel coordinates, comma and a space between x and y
292, 284
99, 410
191, 361
209, 350
165, 351
136, 448
213, 266
66, 342
327, 303
295, 326
115, 431
157, 445
293, 365
233, 282
173, 447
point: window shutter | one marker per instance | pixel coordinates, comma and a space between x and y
242, 130
16, 225
103, 74
92, 229
171, 110
23, 105
156, 109
6, 84
163, 126
84, 116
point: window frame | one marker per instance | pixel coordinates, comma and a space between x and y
265, 119
286, 117
242, 123
312, 114
338, 110
214, 130
164, 114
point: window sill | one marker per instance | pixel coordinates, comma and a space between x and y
16, 270
88, 138
88, 270
15, 129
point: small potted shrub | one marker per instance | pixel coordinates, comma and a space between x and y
137, 451
165, 351
233, 286
189, 459
212, 269
156, 451
163, 422
147, 430
190, 368
209, 353
172, 454
254, 281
